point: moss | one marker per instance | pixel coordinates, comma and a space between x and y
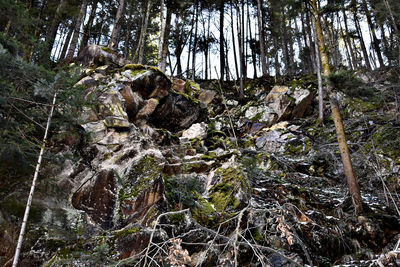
204, 213
222, 195
107, 49
176, 218
191, 88
257, 235
188, 97
160, 72
126, 232
140, 177
134, 67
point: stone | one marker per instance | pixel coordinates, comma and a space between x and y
87, 81
97, 198
179, 85
116, 122
148, 108
271, 142
177, 112
303, 99
206, 96
279, 101
197, 130
262, 114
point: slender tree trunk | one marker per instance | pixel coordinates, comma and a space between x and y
190, 44
352, 52
394, 24
253, 50
319, 77
240, 31
128, 36
261, 37
195, 40
352, 183
143, 34
375, 41
75, 37
162, 33
234, 42
114, 40
221, 39
347, 45
88, 27
52, 33
363, 47
67, 40
165, 44
35, 176
312, 51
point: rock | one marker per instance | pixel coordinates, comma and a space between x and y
116, 122
279, 101
179, 86
262, 114
197, 130
303, 99
271, 142
97, 198
87, 81
177, 112
206, 96
144, 210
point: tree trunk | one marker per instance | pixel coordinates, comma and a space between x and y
74, 41
253, 50
195, 40
162, 33
352, 52
114, 40
165, 44
363, 47
261, 38
35, 176
221, 39
234, 43
52, 33
88, 27
375, 41
143, 34
240, 31
67, 40
352, 183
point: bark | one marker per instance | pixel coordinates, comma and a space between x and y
362, 43
261, 37
195, 40
114, 40
234, 43
52, 33
67, 40
164, 51
32, 190
88, 27
373, 33
351, 180
143, 34
221, 39
240, 31
253, 51
352, 52
320, 89
74, 41
394, 24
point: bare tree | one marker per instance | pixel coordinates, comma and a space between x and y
352, 183
114, 40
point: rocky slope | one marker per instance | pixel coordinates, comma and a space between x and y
164, 172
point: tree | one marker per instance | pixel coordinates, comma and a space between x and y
261, 38
351, 180
75, 36
114, 40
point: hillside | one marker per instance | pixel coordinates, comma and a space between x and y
159, 171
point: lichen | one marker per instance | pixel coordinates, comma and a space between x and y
126, 232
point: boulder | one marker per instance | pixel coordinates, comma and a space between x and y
197, 130
97, 198
279, 101
177, 112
